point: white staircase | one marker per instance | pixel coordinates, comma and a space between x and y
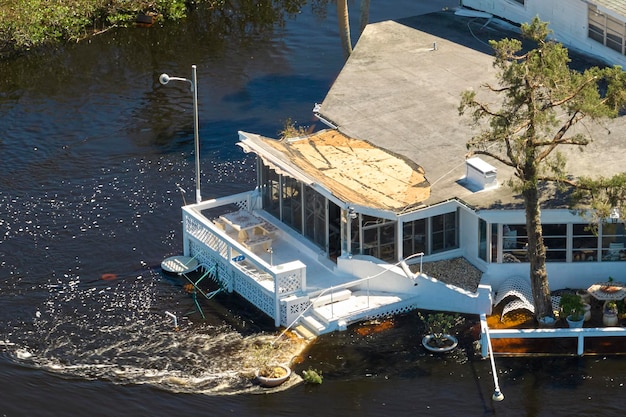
335, 311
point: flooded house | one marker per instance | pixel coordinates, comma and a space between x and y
342, 220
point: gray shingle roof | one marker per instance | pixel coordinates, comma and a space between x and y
398, 92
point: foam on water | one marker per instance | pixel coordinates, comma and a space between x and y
116, 333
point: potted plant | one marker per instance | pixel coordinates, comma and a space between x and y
609, 313
584, 295
572, 308
438, 327
269, 374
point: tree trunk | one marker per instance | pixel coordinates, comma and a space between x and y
344, 26
537, 255
365, 15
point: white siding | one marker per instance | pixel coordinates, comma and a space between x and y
568, 21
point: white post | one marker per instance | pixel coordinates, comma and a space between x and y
497, 394
164, 79
194, 88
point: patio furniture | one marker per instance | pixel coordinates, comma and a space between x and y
607, 291
242, 221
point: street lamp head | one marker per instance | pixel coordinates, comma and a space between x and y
164, 79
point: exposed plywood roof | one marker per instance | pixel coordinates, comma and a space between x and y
353, 170
401, 88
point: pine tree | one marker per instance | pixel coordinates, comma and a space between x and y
542, 98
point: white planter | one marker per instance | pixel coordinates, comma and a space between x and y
587, 308
427, 341
584, 295
610, 319
268, 382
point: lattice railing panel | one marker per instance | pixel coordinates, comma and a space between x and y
222, 273
254, 293
290, 283
290, 310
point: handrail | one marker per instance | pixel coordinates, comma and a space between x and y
341, 286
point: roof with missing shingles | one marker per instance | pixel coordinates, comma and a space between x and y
401, 88
353, 170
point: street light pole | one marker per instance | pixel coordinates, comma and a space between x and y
164, 79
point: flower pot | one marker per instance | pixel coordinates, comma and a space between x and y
587, 308
584, 295
442, 344
279, 374
609, 319
546, 322
574, 324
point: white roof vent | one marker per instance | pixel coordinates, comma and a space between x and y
480, 174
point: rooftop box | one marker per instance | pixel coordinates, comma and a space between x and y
480, 174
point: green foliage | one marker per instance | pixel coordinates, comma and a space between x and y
439, 324
602, 195
290, 130
312, 376
27, 24
572, 305
541, 99
31, 24
611, 308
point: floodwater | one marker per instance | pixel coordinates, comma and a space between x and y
95, 153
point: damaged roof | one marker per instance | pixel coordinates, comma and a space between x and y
401, 88
353, 170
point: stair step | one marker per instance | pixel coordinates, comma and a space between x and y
303, 332
313, 324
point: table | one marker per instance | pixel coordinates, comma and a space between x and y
241, 221
606, 291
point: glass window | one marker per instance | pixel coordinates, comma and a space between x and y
613, 240
584, 243
555, 240
607, 30
514, 243
414, 237
482, 239
270, 181
315, 217
444, 232
292, 203
355, 236
379, 238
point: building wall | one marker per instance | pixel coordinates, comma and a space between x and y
568, 21
560, 274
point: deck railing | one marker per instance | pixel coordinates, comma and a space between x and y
236, 267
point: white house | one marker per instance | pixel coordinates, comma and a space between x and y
594, 27
325, 237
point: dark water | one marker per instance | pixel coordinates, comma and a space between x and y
93, 152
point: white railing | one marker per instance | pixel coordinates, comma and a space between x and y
238, 268
545, 333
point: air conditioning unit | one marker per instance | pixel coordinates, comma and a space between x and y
480, 174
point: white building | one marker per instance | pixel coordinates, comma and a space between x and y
324, 239
594, 27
